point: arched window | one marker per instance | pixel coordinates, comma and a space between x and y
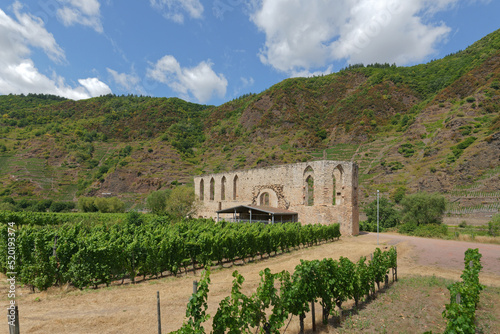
308, 186
264, 199
223, 189
309, 191
338, 179
212, 189
235, 187
202, 190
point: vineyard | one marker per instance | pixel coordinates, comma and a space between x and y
280, 295
86, 255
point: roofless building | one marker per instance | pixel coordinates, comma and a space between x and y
322, 191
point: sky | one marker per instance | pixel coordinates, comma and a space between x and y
213, 51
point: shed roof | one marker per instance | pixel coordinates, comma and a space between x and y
264, 209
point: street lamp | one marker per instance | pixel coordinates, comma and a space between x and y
377, 215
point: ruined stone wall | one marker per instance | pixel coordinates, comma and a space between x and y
334, 191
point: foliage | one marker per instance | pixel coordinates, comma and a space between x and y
494, 225
460, 147
178, 202
92, 254
100, 204
196, 310
464, 296
406, 150
425, 231
398, 194
156, 202
281, 294
423, 208
181, 202
388, 215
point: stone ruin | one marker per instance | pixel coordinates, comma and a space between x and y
322, 191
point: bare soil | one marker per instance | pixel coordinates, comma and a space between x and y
132, 308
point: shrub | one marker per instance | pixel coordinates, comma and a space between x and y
101, 204
423, 208
431, 231
86, 204
406, 150
494, 226
399, 194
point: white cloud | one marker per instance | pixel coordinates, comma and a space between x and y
200, 81
84, 12
174, 9
18, 73
94, 86
302, 35
127, 81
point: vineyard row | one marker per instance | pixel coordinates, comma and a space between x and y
89, 255
280, 295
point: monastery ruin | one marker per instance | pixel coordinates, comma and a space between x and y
322, 191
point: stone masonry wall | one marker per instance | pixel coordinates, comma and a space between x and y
287, 189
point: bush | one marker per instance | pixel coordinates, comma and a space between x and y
61, 206
367, 227
406, 150
423, 208
431, 231
101, 204
494, 226
399, 194
86, 204
388, 215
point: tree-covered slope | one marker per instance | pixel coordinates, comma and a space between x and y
432, 126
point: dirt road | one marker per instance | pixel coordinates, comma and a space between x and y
445, 254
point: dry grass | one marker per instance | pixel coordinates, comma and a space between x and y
479, 238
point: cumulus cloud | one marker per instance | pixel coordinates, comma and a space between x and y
174, 9
128, 82
18, 73
199, 81
302, 35
84, 12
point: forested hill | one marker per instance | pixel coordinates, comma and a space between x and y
433, 127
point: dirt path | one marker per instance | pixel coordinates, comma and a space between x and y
132, 308
444, 258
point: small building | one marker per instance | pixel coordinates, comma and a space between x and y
322, 191
258, 213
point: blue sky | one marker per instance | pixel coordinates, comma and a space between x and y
213, 51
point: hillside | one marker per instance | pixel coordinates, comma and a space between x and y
433, 127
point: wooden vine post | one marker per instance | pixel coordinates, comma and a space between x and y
313, 311
159, 313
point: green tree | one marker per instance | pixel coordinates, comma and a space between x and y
388, 215
109, 205
157, 201
86, 204
181, 202
399, 194
494, 226
423, 208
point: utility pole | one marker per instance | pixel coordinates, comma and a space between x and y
377, 214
